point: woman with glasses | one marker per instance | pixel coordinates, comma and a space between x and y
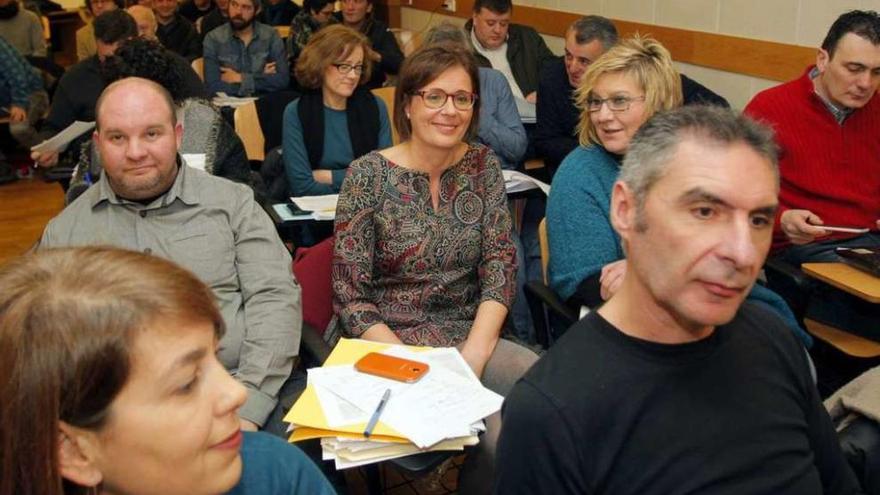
111, 385
423, 251
336, 119
619, 92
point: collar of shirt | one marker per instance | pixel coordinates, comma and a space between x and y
482, 49
183, 189
839, 113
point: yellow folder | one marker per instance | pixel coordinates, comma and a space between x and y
307, 414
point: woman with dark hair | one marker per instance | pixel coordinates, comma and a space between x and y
206, 132
336, 120
314, 15
423, 252
111, 385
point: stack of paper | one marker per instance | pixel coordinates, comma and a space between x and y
224, 100
517, 182
442, 411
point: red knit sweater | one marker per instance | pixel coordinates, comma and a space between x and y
830, 169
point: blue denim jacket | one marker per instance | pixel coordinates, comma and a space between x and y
223, 49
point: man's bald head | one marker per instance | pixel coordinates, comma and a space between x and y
145, 20
140, 85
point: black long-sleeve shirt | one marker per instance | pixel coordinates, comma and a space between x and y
733, 413
180, 36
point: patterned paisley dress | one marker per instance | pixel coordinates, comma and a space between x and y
421, 271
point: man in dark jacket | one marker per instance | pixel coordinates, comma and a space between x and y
517, 51
386, 55
176, 32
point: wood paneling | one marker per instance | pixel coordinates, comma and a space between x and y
764, 59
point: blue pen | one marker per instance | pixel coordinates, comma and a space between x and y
375, 418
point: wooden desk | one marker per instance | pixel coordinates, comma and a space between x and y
63, 25
846, 278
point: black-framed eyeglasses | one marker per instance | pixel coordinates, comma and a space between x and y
346, 68
615, 103
436, 98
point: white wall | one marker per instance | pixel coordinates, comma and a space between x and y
800, 22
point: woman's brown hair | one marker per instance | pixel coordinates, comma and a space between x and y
426, 65
68, 319
330, 44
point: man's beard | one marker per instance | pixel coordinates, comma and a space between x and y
239, 24
9, 11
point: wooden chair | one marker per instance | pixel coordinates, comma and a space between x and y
47, 30
845, 342
542, 300
247, 126
198, 65
409, 41
387, 95
283, 31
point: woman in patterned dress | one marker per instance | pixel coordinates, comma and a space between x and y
423, 250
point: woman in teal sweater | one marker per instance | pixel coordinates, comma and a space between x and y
619, 93
337, 120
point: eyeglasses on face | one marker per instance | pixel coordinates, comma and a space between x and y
615, 103
346, 68
436, 98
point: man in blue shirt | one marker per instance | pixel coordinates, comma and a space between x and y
244, 57
21, 97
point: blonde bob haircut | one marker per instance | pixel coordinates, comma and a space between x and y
326, 47
650, 66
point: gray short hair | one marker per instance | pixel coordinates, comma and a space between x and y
654, 145
594, 27
446, 32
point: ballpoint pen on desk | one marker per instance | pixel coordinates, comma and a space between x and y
378, 412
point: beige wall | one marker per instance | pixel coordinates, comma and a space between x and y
800, 22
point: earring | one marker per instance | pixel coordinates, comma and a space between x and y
407, 114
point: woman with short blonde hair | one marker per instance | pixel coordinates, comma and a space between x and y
648, 63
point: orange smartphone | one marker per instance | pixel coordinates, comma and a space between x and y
394, 368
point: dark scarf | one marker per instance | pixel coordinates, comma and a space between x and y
363, 123
9, 11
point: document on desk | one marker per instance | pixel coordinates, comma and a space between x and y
59, 141
322, 207
224, 100
518, 182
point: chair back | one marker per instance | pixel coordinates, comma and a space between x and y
247, 126
312, 266
387, 95
409, 41
545, 248
198, 66
283, 31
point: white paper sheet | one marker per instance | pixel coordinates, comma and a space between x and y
59, 141
319, 204
224, 100
194, 160
518, 182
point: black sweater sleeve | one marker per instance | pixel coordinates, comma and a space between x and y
532, 423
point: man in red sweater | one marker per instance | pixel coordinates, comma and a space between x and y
827, 125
